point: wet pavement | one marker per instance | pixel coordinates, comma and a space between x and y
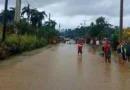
60, 68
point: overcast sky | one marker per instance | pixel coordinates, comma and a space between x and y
70, 13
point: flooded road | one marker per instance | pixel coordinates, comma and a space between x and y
59, 68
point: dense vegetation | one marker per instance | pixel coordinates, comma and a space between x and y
30, 32
97, 30
27, 34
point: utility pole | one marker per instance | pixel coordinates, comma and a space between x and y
5, 21
17, 11
59, 27
121, 19
84, 22
49, 18
17, 17
84, 26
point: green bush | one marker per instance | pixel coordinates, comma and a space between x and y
3, 51
27, 42
115, 40
12, 43
42, 42
0, 31
47, 33
0, 38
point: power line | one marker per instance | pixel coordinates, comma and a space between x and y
33, 7
29, 3
24, 2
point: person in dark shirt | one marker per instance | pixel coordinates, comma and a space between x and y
128, 51
119, 53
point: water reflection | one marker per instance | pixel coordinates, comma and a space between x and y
107, 70
123, 77
13, 60
79, 65
92, 51
80, 58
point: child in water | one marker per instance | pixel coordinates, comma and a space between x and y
80, 46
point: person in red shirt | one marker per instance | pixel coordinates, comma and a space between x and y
107, 51
80, 46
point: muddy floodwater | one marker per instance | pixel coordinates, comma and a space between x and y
60, 68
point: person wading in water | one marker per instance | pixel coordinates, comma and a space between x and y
80, 46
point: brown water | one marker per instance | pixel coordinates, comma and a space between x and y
60, 68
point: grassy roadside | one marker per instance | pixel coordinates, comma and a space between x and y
13, 45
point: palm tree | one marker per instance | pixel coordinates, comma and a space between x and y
34, 17
26, 10
10, 15
37, 17
53, 24
41, 16
1, 16
50, 24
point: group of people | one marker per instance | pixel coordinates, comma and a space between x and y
80, 45
123, 50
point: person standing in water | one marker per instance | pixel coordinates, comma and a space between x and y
80, 46
107, 50
119, 53
103, 44
128, 51
123, 51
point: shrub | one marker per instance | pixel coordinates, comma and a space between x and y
27, 42
115, 39
42, 42
3, 51
0, 31
12, 43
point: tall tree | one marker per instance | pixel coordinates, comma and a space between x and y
100, 28
41, 16
10, 15
50, 24
26, 10
37, 17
